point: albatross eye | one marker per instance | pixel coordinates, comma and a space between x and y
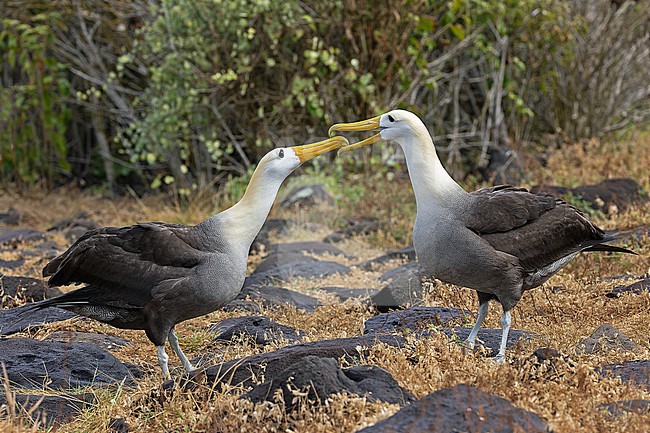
281, 153
391, 119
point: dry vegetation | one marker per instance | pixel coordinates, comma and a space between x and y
565, 310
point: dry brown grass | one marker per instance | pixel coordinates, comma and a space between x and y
564, 311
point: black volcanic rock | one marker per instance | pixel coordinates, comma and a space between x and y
52, 364
407, 253
462, 408
307, 195
634, 289
637, 372
605, 338
275, 260
52, 410
363, 226
610, 194
19, 319
12, 217
406, 288
318, 248
13, 237
13, 288
321, 377
273, 296
414, 319
491, 338
261, 330
244, 371
619, 408
272, 226
106, 342
344, 293
303, 269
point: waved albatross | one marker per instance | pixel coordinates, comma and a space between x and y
499, 241
153, 275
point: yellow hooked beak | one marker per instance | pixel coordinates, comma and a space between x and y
363, 125
309, 151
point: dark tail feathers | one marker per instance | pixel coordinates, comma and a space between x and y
609, 248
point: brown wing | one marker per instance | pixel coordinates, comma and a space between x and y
128, 261
503, 208
537, 229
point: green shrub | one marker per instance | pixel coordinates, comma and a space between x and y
34, 114
190, 93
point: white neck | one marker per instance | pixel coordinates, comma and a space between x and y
243, 221
432, 184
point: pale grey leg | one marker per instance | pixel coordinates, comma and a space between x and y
505, 326
173, 342
482, 312
162, 361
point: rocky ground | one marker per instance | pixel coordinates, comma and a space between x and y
330, 333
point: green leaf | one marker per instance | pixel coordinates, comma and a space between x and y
426, 23
458, 31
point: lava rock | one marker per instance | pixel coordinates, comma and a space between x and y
285, 273
11, 264
414, 319
273, 261
322, 377
406, 288
634, 288
491, 338
244, 371
606, 338
504, 165
275, 226
52, 410
407, 253
52, 364
106, 342
81, 219
75, 227
75, 233
289, 255
259, 329
459, 409
119, 425
274, 296
406, 270
363, 226
272, 226
46, 250
12, 217
14, 288
619, 408
13, 237
378, 384
318, 248
19, 319
637, 372
344, 293
307, 195
243, 306
609, 195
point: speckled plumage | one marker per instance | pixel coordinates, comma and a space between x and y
148, 276
499, 241
152, 276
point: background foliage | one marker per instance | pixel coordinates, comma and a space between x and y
184, 94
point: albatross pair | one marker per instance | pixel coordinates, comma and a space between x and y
152, 276
499, 241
